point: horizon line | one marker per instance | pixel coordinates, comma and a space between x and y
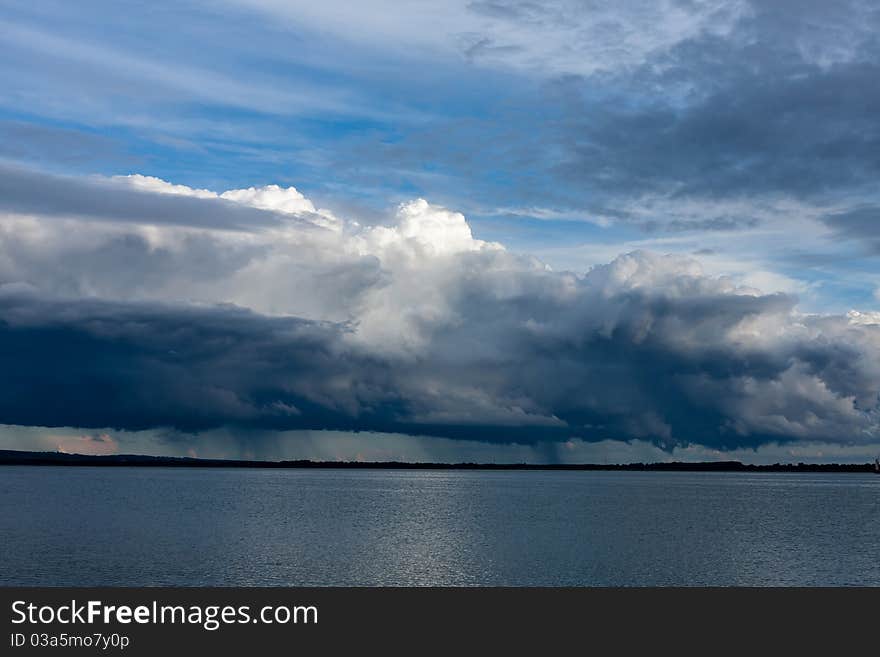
57, 458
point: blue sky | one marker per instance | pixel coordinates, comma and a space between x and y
740, 138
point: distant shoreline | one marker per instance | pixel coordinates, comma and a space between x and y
14, 457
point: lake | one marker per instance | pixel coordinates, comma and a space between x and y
239, 527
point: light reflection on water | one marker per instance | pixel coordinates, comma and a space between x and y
190, 527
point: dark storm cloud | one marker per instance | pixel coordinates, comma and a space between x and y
530, 367
28, 192
91, 363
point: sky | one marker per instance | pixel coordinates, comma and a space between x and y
454, 231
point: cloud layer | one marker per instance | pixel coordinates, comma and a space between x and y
132, 303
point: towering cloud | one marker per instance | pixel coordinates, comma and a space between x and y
133, 303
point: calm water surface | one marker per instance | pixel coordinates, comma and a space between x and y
140, 526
